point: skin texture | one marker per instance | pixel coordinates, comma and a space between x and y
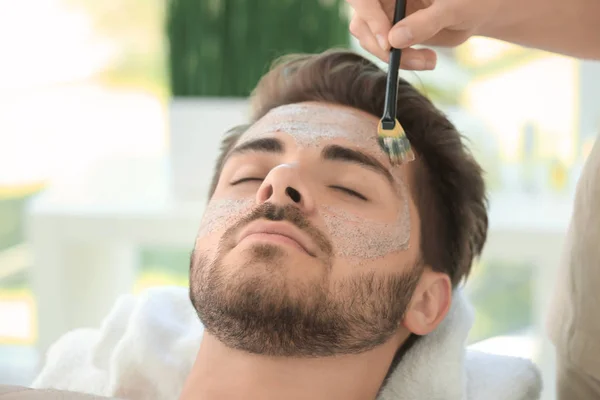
320, 316
567, 27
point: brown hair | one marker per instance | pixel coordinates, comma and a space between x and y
448, 188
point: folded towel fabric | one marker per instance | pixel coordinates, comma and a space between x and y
23, 393
147, 345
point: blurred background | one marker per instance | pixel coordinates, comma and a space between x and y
106, 107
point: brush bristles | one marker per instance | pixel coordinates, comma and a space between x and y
396, 145
398, 149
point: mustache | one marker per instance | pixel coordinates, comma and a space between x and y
288, 213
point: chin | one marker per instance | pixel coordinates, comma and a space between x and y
254, 254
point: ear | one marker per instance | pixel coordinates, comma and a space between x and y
429, 304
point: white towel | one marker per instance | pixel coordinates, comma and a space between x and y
147, 345
440, 367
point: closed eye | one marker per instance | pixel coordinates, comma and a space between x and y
349, 191
248, 179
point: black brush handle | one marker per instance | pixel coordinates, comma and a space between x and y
391, 87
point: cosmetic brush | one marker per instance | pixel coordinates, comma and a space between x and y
392, 137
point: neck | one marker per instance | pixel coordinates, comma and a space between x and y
220, 372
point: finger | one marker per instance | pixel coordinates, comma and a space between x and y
412, 59
449, 38
418, 59
419, 27
371, 12
361, 31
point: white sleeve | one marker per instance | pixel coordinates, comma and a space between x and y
573, 323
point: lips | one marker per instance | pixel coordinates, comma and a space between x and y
282, 232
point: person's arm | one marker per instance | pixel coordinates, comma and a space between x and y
569, 27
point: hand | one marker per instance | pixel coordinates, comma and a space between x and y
432, 22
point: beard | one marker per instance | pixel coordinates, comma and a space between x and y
259, 310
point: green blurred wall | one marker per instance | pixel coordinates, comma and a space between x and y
223, 47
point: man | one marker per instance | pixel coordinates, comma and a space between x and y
317, 264
317, 261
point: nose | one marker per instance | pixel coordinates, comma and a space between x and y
284, 185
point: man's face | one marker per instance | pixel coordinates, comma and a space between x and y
309, 245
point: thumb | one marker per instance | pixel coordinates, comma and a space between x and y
418, 27
371, 12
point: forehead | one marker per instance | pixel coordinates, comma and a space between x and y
313, 124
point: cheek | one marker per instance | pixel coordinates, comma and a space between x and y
206, 247
220, 214
359, 238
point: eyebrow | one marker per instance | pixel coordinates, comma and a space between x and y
266, 145
345, 154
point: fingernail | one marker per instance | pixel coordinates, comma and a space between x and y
415, 63
430, 64
382, 42
402, 37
